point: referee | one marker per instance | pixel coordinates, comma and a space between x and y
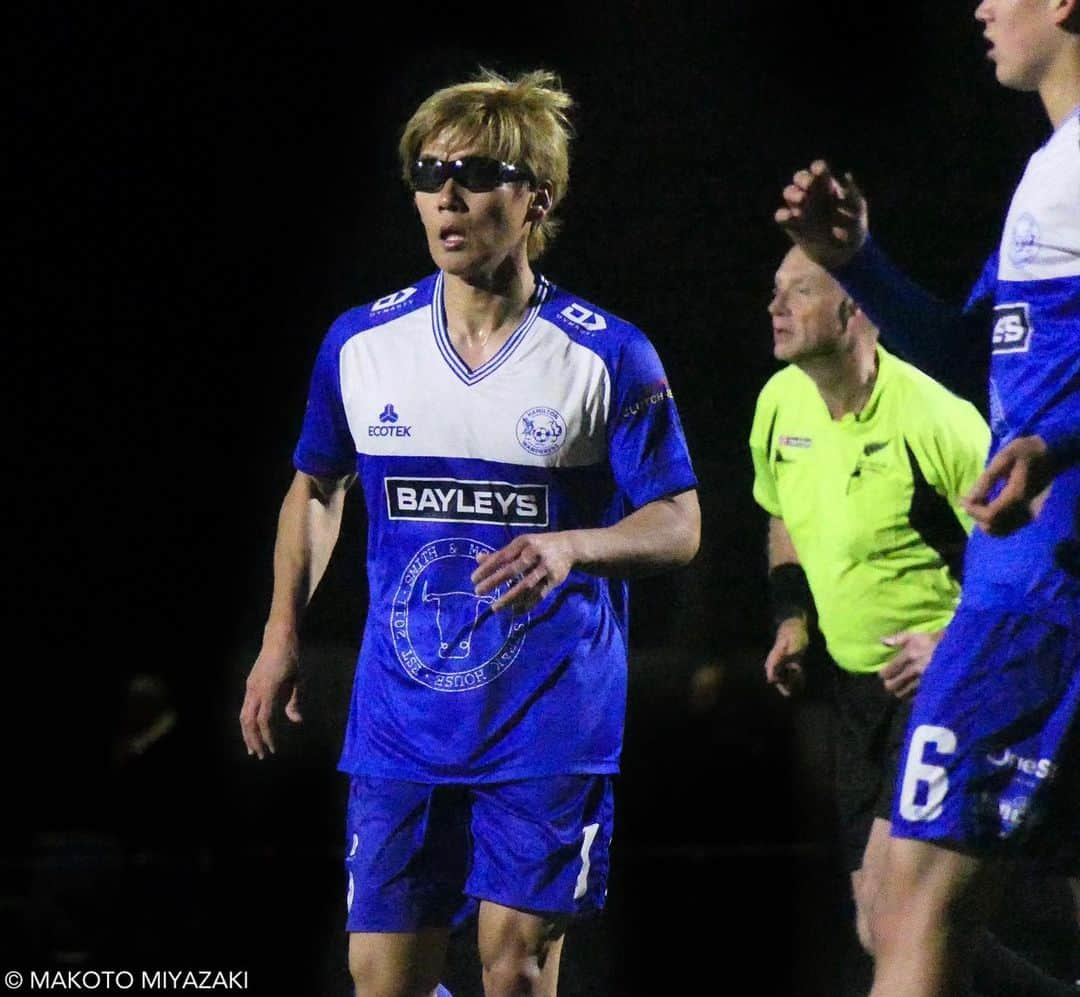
860, 460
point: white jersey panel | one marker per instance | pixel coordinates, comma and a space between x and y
547, 408
1042, 230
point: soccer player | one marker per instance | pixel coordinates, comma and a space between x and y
992, 760
520, 455
860, 460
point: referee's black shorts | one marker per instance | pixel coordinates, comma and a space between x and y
869, 724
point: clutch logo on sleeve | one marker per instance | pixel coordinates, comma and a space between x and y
541, 431
393, 300
799, 442
446, 637
658, 393
1012, 328
589, 320
448, 500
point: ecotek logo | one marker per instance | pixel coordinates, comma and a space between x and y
1012, 328
388, 424
447, 500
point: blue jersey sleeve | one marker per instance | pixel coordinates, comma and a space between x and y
1063, 441
981, 299
326, 448
946, 342
646, 445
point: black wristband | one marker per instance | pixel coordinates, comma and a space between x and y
789, 593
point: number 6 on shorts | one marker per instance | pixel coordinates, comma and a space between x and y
918, 772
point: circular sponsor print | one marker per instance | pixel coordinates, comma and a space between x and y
445, 635
1024, 244
541, 431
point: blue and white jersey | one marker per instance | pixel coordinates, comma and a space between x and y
570, 425
1030, 289
1033, 285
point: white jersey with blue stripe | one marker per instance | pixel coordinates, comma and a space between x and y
571, 424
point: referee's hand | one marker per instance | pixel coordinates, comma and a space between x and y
903, 673
783, 666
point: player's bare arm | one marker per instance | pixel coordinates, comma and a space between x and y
783, 664
825, 217
308, 527
660, 535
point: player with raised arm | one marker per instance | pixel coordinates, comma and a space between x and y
520, 455
992, 759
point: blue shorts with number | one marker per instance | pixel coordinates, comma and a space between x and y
991, 761
419, 855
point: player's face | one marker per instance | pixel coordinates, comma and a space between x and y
807, 311
1022, 36
473, 234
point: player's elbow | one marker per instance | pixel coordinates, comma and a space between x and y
686, 535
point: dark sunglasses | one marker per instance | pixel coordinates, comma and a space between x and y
476, 173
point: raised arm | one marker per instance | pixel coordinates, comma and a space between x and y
828, 219
660, 535
308, 527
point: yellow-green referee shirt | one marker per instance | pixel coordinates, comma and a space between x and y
870, 501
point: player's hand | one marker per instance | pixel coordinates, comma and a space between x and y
272, 676
828, 220
901, 675
1025, 467
783, 665
536, 562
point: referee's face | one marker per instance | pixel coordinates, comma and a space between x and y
808, 310
473, 235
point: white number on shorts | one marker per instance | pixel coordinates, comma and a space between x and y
582, 885
917, 772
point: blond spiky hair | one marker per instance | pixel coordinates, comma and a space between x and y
522, 121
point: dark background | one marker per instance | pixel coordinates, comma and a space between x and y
198, 192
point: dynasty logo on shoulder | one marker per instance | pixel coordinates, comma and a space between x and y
448, 500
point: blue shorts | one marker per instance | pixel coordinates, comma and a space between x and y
991, 761
419, 855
